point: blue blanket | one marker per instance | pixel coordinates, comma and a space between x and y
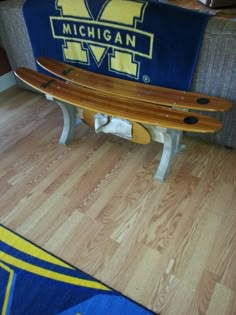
138, 40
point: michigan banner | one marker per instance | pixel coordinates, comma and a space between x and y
138, 40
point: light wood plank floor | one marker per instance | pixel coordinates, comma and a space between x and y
94, 203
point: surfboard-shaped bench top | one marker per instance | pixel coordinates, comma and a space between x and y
133, 90
114, 105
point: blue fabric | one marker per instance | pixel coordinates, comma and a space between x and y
25, 290
138, 40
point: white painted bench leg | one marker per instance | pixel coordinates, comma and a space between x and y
70, 121
180, 147
172, 145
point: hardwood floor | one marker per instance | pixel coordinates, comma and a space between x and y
94, 203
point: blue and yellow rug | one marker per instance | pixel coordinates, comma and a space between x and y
33, 282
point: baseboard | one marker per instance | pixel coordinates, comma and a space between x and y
6, 81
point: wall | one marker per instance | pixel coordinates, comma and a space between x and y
4, 64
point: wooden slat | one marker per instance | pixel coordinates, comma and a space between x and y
133, 90
113, 105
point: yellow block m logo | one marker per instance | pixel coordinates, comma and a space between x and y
112, 33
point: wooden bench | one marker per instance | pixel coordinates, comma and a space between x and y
137, 91
148, 109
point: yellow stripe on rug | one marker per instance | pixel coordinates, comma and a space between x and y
24, 246
8, 289
50, 274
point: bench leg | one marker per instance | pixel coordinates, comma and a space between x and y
172, 139
172, 145
70, 121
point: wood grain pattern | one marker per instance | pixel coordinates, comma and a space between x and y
133, 90
170, 246
113, 105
